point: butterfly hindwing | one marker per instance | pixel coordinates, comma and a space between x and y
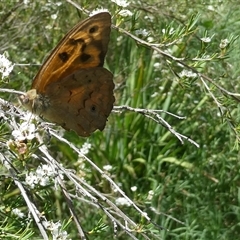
87, 101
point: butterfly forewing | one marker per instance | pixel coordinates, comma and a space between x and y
83, 47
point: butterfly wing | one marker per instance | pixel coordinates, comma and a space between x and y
81, 101
84, 46
72, 88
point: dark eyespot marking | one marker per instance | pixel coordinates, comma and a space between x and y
63, 56
84, 57
93, 108
93, 29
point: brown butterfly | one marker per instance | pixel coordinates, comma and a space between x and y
72, 88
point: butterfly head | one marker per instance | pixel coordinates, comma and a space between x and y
32, 101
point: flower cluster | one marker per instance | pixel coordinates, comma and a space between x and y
56, 230
85, 148
43, 176
188, 74
5, 66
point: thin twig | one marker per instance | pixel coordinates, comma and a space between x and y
31, 206
153, 115
71, 208
178, 60
11, 91
76, 180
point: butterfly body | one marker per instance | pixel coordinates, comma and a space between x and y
72, 88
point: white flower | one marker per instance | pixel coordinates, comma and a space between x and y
223, 43
53, 226
125, 13
85, 148
18, 213
43, 176
28, 116
121, 201
206, 57
61, 235
25, 131
157, 65
121, 3
45, 170
206, 39
107, 168
119, 40
48, 26
5, 66
31, 180
155, 94
150, 39
211, 8
156, 54
134, 189
55, 229
149, 18
54, 16
58, 4
142, 32
150, 195
170, 32
187, 73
